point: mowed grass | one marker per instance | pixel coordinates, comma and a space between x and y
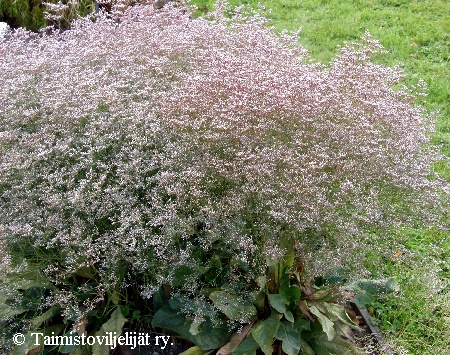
417, 35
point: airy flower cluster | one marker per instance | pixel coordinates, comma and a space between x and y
146, 139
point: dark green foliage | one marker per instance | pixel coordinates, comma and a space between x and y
29, 14
23, 13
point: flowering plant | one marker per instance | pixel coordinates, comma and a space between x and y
195, 153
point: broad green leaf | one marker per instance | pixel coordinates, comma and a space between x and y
31, 343
259, 300
195, 350
233, 306
264, 332
273, 266
277, 302
285, 284
86, 271
261, 281
100, 347
82, 350
211, 337
115, 297
53, 311
322, 346
247, 347
213, 274
195, 328
53, 330
289, 316
378, 287
306, 349
344, 330
235, 340
291, 293
159, 299
68, 344
319, 347
290, 338
364, 298
325, 322
175, 303
338, 312
321, 295
182, 272
289, 259
115, 322
302, 324
184, 304
167, 317
7, 311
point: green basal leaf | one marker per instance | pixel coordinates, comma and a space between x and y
364, 299
273, 282
53, 330
115, 297
378, 287
344, 330
182, 272
339, 276
7, 311
289, 258
195, 328
338, 312
37, 321
86, 272
82, 350
113, 325
289, 316
247, 347
325, 322
214, 271
115, 322
69, 344
277, 302
211, 336
235, 340
367, 290
99, 347
167, 317
290, 338
319, 347
291, 293
195, 350
175, 303
29, 344
233, 306
305, 349
302, 325
285, 284
261, 282
259, 300
322, 295
159, 299
30, 339
265, 331
338, 346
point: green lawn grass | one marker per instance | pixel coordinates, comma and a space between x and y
417, 35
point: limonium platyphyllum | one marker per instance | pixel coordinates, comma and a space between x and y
146, 139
